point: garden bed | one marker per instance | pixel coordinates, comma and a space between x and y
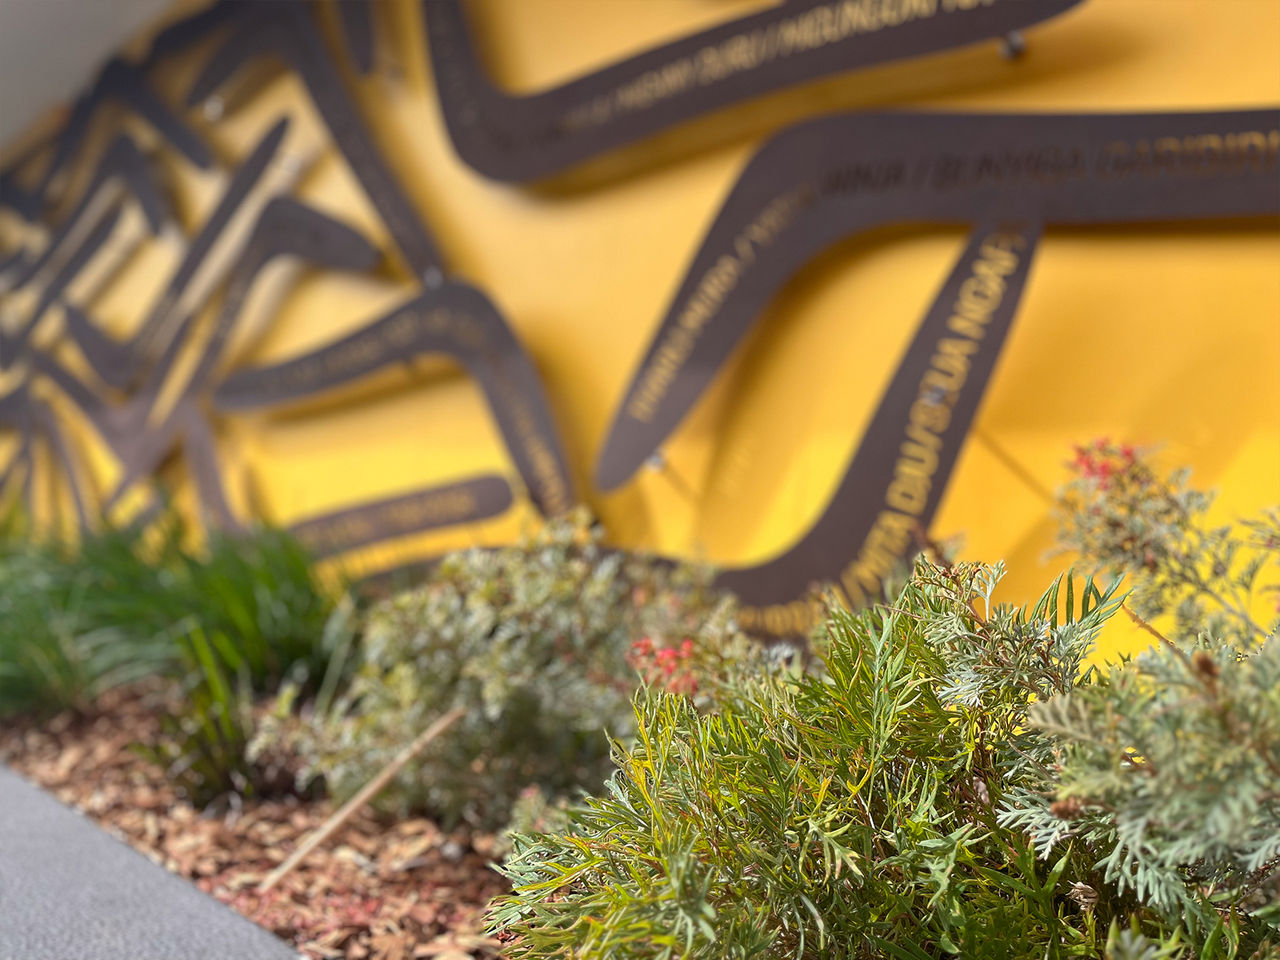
374, 891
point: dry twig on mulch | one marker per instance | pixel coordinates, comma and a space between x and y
375, 891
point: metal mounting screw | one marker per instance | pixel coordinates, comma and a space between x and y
1013, 45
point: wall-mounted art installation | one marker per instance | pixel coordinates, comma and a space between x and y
784, 286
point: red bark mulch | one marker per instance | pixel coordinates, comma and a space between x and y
373, 891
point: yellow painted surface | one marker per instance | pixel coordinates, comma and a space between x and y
1163, 335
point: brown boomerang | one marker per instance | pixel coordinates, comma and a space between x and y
430, 508
456, 320
828, 179
12, 348
519, 138
357, 31
30, 417
288, 228
118, 363
284, 228
122, 161
120, 82
285, 31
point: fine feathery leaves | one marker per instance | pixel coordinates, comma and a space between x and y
851, 813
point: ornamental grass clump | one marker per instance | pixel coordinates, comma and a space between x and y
541, 643
79, 618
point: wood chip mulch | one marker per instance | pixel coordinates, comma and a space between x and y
375, 891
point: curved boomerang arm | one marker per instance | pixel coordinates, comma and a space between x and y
284, 30
526, 137
429, 508
20, 458
285, 228
24, 202
119, 363
455, 320
357, 32
175, 38
180, 35
43, 419
122, 161
829, 179
122, 82
16, 346
32, 418
896, 479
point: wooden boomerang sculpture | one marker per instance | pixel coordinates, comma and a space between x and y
456, 320
284, 228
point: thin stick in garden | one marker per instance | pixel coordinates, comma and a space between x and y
365, 794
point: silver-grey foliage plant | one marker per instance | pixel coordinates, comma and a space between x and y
539, 642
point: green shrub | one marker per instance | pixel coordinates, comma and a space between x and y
841, 814
954, 781
1120, 515
536, 641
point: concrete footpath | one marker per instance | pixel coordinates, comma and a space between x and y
68, 891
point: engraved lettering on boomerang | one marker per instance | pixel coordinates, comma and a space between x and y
455, 320
896, 478
123, 166
922, 167
526, 137
429, 508
284, 30
120, 363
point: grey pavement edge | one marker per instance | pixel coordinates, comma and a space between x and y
69, 891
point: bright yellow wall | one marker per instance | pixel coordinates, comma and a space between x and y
1166, 334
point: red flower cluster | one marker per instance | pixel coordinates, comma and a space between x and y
668, 667
1101, 461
